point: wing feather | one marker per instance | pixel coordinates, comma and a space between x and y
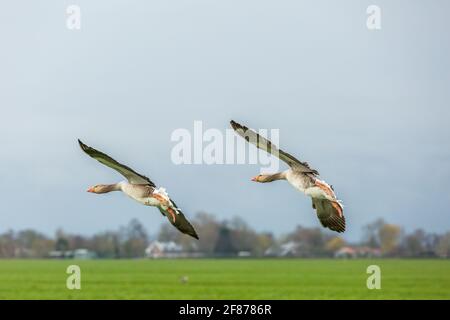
328, 215
264, 144
181, 222
132, 176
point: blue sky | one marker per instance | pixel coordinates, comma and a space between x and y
368, 109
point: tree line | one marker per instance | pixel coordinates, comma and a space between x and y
225, 238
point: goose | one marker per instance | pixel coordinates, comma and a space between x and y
140, 188
302, 177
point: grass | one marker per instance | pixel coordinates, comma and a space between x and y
225, 279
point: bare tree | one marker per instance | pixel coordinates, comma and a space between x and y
134, 239
443, 247
389, 235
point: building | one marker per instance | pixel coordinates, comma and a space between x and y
80, 254
157, 249
84, 254
357, 252
288, 249
345, 252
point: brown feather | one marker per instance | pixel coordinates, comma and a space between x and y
328, 215
265, 144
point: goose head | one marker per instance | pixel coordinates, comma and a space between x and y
100, 188
260, 178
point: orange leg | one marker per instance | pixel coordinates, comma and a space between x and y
161, 199
172, 213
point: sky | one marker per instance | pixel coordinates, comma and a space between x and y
368, 108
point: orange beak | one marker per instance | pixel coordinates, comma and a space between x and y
91, 189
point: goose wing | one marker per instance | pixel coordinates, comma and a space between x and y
132, 176
330, 214
264, 144
178, 220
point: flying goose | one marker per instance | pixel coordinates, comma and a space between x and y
302, 177
141, 189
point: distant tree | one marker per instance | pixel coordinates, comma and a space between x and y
78, 242
8, 245
264, 241
106, 244
34, 244
334, 244
168, 233
224, 244
371, 236
414, 244
62, 241
225, 238
389, 235
207, 228
244, 238
385, 236
135, 239
241, 235
311, 241
443, 246
431, 242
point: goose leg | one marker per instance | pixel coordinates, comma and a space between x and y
172, 213
163, 201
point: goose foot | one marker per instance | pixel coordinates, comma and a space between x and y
163, 201
172, 213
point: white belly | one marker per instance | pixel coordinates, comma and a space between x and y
298, 182
295, 181
130, 191
316, 192
149, 201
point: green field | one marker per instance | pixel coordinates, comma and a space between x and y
225, 279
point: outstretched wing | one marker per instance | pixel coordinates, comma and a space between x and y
330, 214
264, 144
132, 176
179, 221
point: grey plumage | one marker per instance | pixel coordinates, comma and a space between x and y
132, 176
328, 215
181, 223
264, 144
